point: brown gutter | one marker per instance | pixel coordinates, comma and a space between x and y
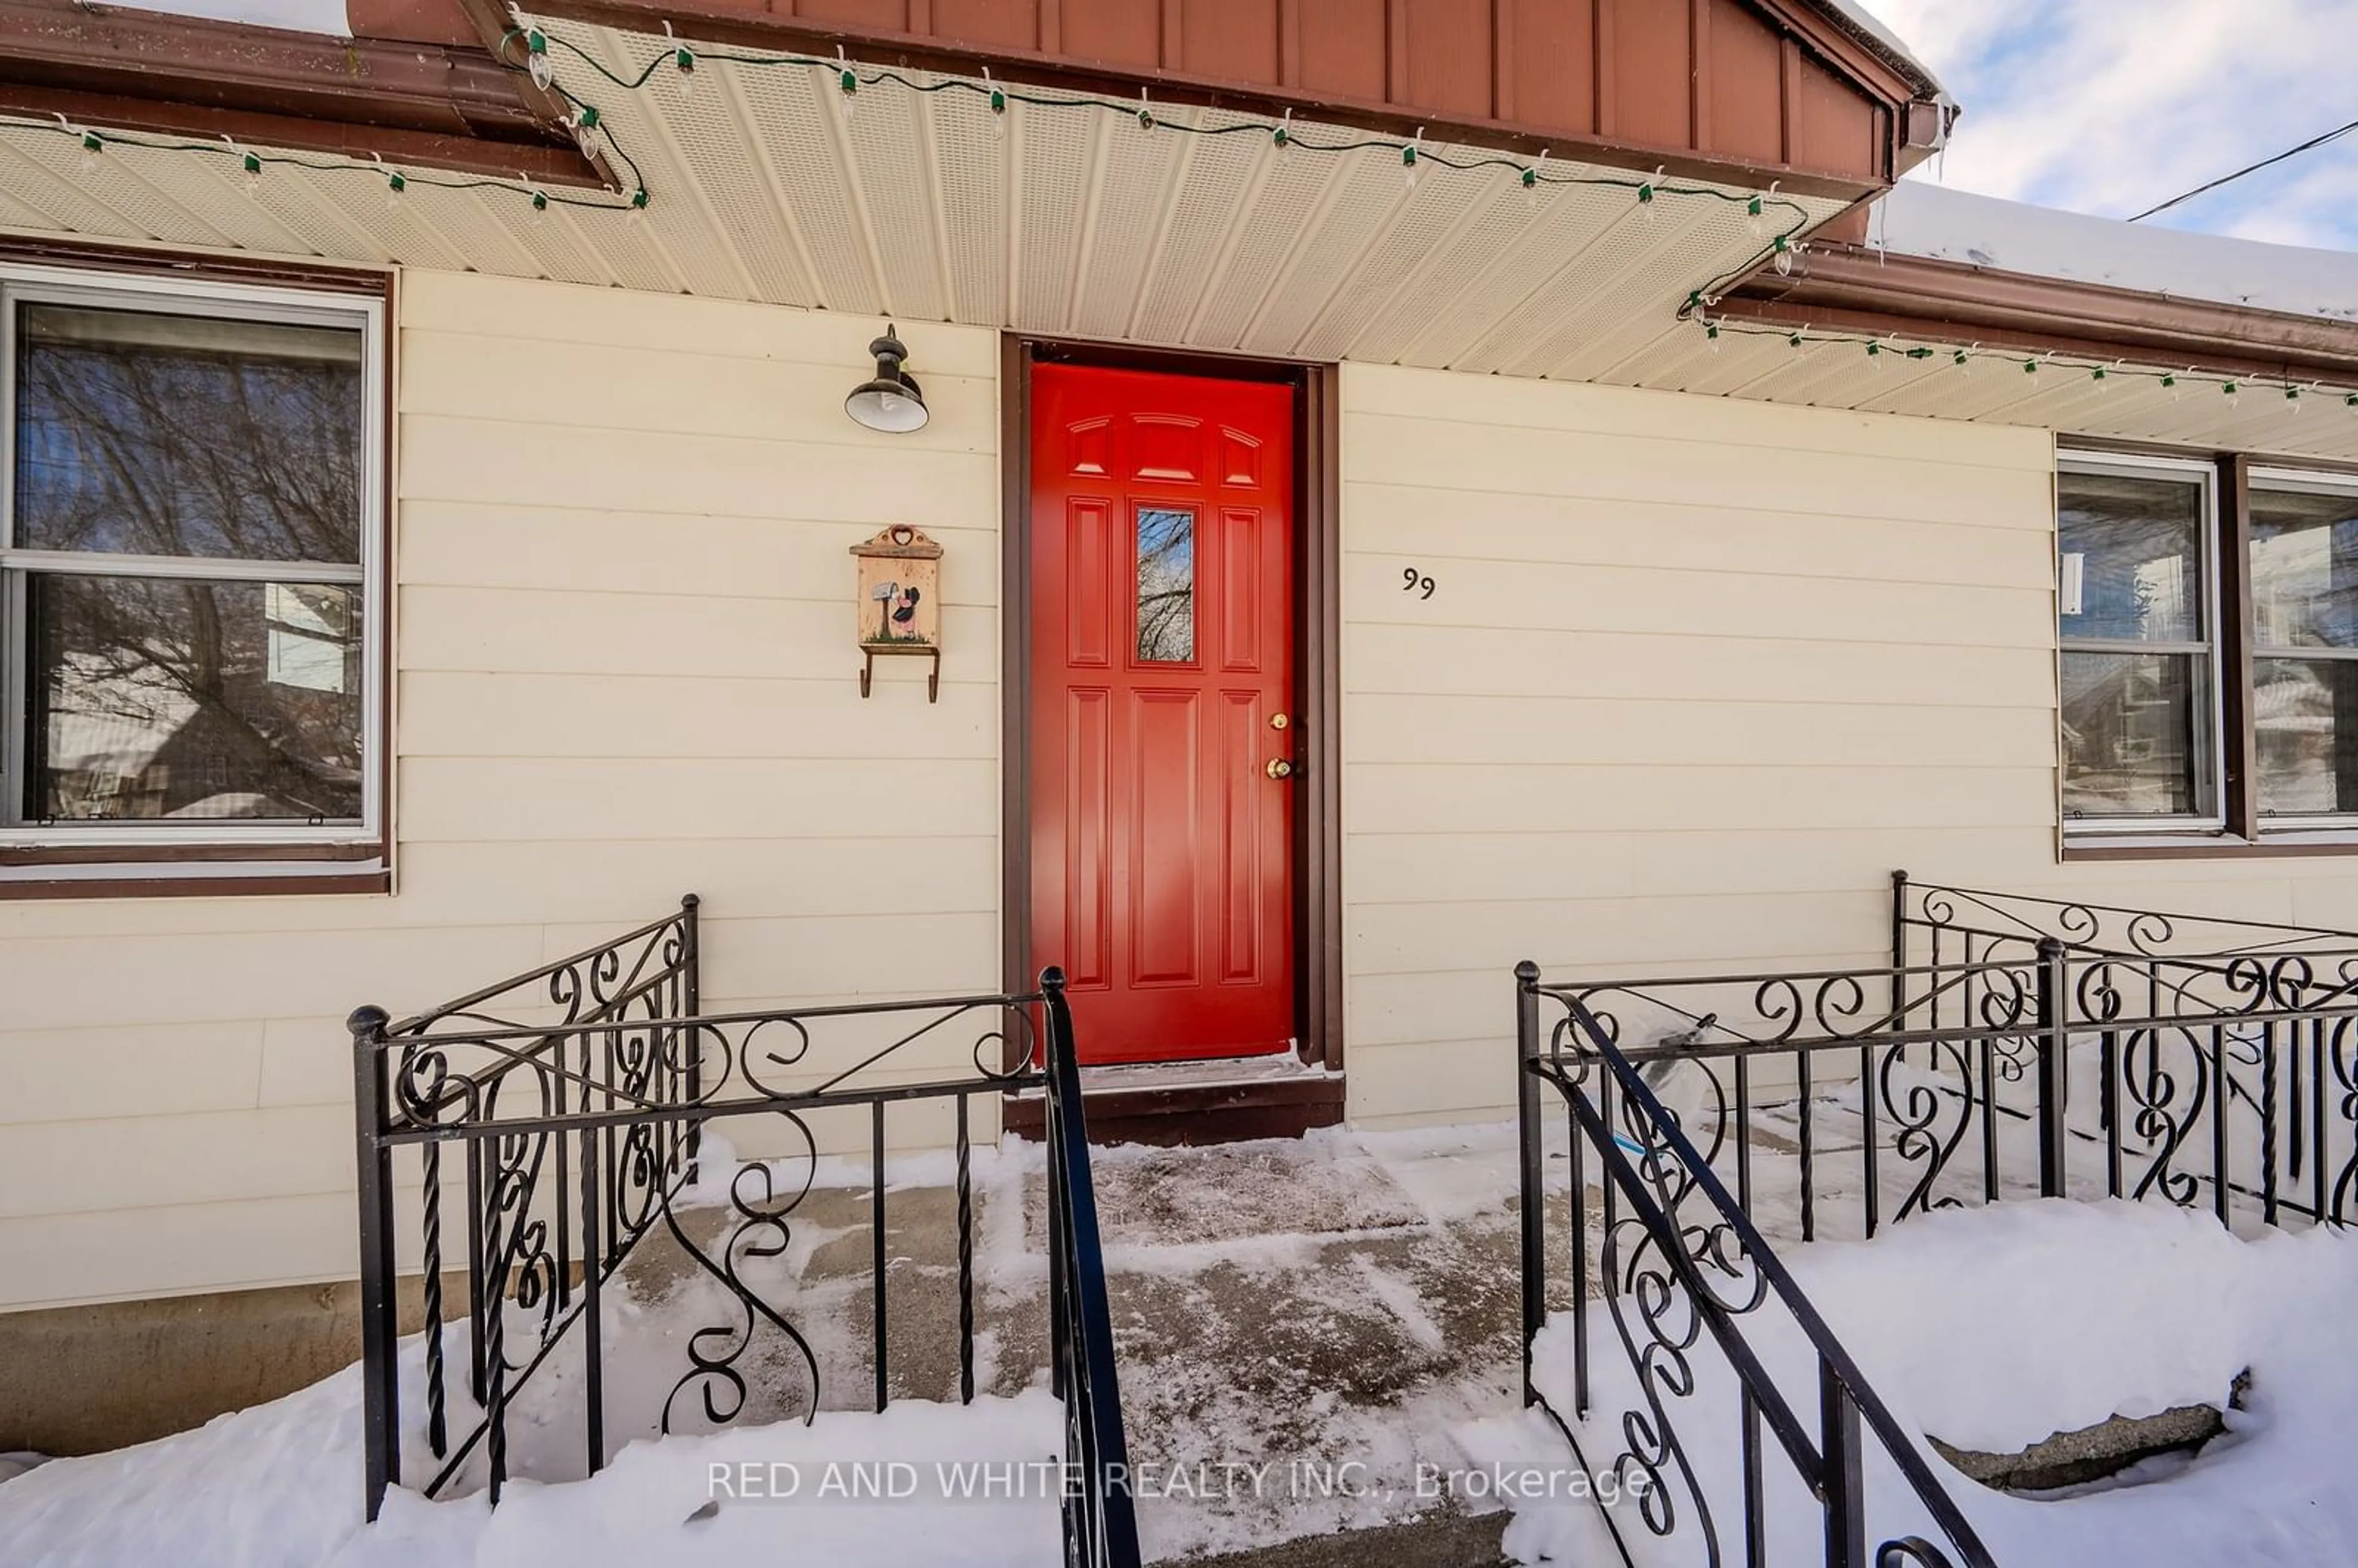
449, 108
1851, 289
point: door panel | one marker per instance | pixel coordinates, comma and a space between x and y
1163, 648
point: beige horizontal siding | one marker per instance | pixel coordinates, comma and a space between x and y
1695, 676
626, 670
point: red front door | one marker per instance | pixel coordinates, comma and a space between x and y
1162, 692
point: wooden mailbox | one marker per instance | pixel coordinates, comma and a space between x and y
900, 604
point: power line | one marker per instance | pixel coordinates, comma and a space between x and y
2253, 168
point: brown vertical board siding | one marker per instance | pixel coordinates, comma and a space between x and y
880, 16
1745, 86
1789, 96
1768, 86
1607, 15
1552, 64
1344, 49
990, 24
1651, 63
1115, 32
409, 21
1234, 40
1396, 51
1502, 54
1833, 128
1449, 48
1698, 85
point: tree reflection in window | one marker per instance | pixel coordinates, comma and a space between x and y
155, 694
161, 698
1166, 585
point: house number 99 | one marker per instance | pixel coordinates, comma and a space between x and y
1416, 582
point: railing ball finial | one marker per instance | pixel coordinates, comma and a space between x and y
1527, 974
1052, 978
689, 901
366, 1021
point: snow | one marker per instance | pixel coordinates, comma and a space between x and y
1995, 1327
295, 16
1868, 23
1918, 218
278, 1486
1359, 1314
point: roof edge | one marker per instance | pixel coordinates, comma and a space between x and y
1879, 292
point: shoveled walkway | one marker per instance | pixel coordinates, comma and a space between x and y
1301, 1325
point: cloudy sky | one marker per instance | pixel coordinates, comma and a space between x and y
2108, 107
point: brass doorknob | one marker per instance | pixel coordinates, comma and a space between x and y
1279, 768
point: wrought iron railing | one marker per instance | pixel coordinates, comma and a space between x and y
1686, 1278
2012, 1046
578, 1104
2207, 1061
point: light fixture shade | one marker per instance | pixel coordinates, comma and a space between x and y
892, 402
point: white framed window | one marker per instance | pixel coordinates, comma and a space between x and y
192, 595
2139, 645
2304, 586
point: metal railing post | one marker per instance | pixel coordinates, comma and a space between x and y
1534, 1190
380, 1328
2052, 1077
1845, 1480
691, 997
1898, 950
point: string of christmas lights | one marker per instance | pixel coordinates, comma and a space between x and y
848, 81
2294, 394
1775, 221
252, 163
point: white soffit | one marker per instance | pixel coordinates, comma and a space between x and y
1080, 222
1064, 221
2129, 403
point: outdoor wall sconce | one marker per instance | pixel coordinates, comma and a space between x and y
891, 401
899, 603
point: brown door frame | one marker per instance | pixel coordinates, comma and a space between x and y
1318, 622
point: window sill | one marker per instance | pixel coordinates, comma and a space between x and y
194, 879
2208, 846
